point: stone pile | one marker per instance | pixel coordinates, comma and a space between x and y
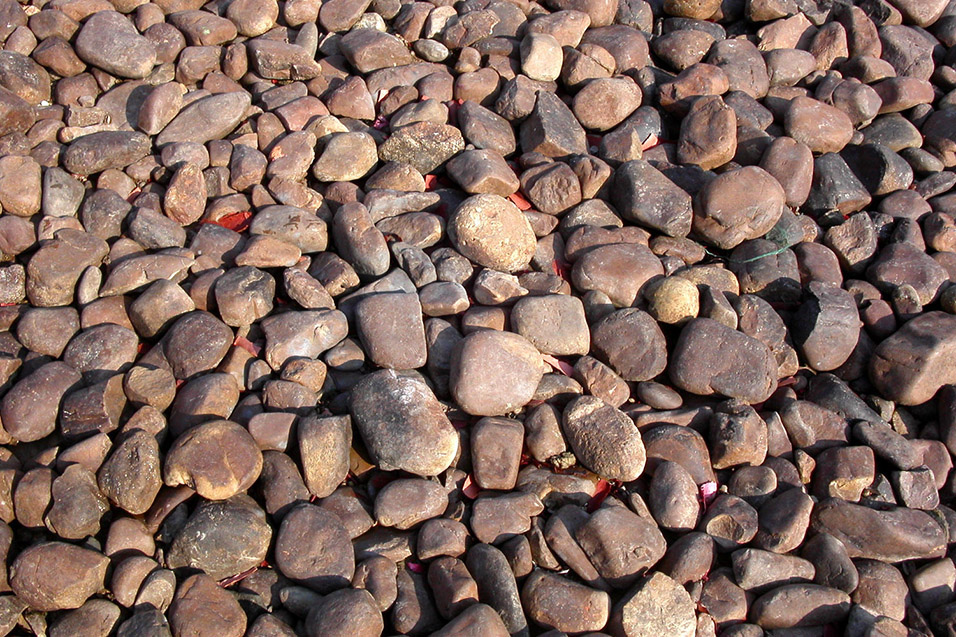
487, 318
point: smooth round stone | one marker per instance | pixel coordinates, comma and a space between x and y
492, 232
494, 373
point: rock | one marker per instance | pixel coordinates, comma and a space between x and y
24, 418
185, 199
591, 103
324, 452
483, 172
477, 620
218, 459
20, 191
646, 196
656, 605
541, 57
201, 607
618, 453
345, 612
206, 119
424, 145
391, 329
402, 424
496, 452
345, 157
481, 217
620, 544
313, 548
493, 373
130, 477
107, 149
826, 327
909, 366
552, 130
552, 601
708, 134
724, 216
890, 535
306, 334
752, 373
222, 538
370, 50
555, 324
647, 355
800, 605
622, 271
55, 575
109, 41
405, 503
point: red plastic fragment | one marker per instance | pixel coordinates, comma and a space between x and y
601, 491
708, 491
234, 579
247, 345
470, 488
558, 365
562, 268
517, 199
237, 221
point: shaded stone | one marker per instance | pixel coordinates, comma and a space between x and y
402, 424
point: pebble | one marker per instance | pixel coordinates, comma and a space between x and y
492, 232
403, 424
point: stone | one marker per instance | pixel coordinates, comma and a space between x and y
552, 130
103, 150
424, 145
200, 604
345, 612
622, 271
345, 156
324, 445
405, 503
646, 196
206, 119
826, 327
552, 601
753, 377
891, 535
402, 424
480, 218
800, 605
496, 445
620, 544
724, 216
483, 172
217, 458
656, 605
493, 373
53, 576
109, 41
222, 538
313, 548
617, 453
391, 329
909, 366
708, 134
